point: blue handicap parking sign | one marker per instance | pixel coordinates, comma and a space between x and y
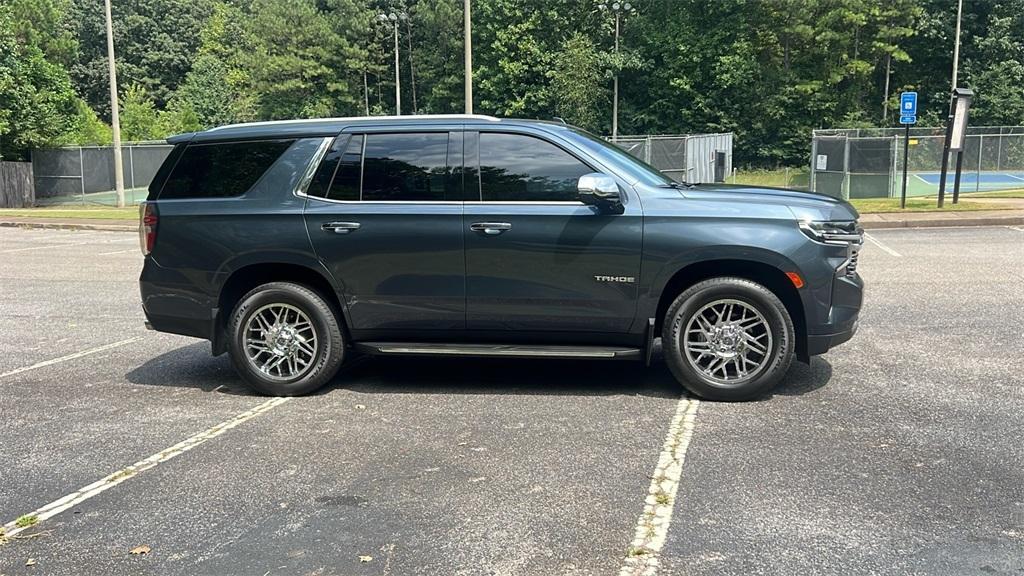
908, 105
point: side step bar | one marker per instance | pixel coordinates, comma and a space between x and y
499, 350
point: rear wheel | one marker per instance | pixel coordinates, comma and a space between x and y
285, 339
728, 339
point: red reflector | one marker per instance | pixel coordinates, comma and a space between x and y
795, 279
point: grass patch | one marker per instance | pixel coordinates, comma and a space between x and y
635, 551
1019, 193
26, 521
779, 178
883, 205
83, 213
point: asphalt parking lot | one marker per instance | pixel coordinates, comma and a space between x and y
897, 453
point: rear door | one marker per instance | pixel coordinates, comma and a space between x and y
384, 215
537, 259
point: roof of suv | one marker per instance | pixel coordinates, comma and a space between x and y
332, 126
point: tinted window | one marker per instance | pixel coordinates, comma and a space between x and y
337, 177
521, 168
221, 170
405, 166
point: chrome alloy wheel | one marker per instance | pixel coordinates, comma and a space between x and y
728, 342
280, 341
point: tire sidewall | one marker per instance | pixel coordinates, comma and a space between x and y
695, 298
329, 348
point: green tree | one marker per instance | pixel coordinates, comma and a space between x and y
578, 83
139, 117
37, 103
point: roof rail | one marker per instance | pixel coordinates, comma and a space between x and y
351, 118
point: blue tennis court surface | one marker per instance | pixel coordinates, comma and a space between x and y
984, 180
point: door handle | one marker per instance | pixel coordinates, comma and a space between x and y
490, 228
340, 227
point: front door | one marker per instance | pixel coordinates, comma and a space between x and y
382, 218
537, 259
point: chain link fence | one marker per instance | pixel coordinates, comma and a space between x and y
84, 175
868, 163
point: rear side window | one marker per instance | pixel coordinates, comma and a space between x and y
221, 170
405, 167
519, 168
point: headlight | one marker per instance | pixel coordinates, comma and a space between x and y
839, 233
845, 233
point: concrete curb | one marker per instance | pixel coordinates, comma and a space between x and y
68, 226
945, 222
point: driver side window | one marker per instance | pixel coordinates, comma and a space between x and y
521, 168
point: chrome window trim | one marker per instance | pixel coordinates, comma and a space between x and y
312, 167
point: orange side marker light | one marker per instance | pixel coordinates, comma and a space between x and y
795, 279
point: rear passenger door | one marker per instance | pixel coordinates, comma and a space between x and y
384, 215
534, 252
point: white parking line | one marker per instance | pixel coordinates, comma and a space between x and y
118, 252
885, 248
111, 480
40, 247
652, 527
1016, 228
69, 357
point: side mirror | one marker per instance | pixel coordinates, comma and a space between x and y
601, 191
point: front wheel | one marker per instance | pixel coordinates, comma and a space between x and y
728, 339
285, 339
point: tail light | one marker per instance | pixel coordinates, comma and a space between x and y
147, 227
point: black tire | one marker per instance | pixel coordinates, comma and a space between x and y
329, 351
773, 364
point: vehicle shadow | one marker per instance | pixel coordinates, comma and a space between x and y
192, 367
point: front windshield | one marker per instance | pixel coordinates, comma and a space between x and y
635, 167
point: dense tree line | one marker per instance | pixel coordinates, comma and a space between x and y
768, 70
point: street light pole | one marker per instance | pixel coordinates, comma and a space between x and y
115, 121
398, 81
468, 44
615, 84
956, 45
619, 9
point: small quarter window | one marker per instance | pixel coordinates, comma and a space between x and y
221, 170
337, 178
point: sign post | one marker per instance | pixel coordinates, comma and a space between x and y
908, 116
956, 133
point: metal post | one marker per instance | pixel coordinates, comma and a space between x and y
131, 168
956, 179
468, 46
956, 45
981, 147
845, 190
814, 162
81, 172
906, 162
398, 81
615, 84
945, 160
115, 122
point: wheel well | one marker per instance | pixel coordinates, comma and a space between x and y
768, 276
245, 279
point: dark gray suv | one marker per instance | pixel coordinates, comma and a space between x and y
291, 245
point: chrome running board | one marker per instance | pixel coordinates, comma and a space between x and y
498, 350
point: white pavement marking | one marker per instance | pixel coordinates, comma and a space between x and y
1016, 228
885, 248
108, 482
652, 527
69, 357
41, 247
118, 252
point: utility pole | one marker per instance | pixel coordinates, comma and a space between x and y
115, 122
468, 44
